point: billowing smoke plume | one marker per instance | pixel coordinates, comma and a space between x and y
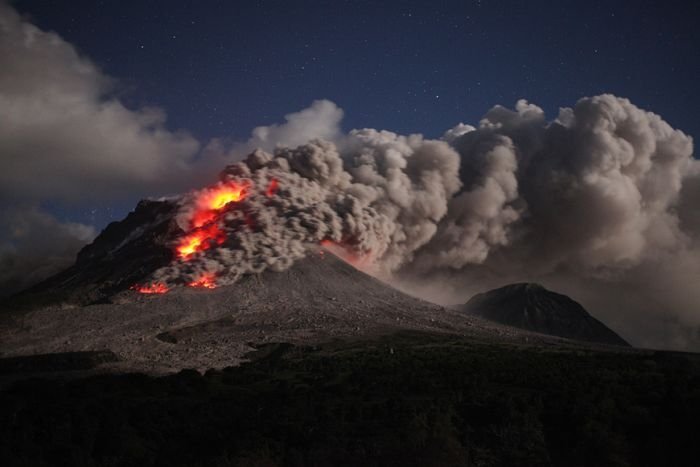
596, 190
380, 200
603, 197
602, 203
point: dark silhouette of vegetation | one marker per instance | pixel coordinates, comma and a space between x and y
401, 400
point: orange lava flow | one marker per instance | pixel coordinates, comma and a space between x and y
209, 205
220, 196
199, 240
211, 202
207, 281
204, 230
156, 287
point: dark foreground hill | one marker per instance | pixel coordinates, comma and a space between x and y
402, 400
534, 308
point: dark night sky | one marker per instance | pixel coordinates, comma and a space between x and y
220, 68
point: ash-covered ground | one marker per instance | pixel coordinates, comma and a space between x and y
320, 298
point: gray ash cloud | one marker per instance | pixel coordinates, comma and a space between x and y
604, 194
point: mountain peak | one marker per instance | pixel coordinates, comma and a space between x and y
532, 307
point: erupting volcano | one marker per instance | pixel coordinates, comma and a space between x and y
242, 260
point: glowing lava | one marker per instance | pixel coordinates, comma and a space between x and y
155, 287
207, 281
211, 202
221, 195
204, 229
199, 240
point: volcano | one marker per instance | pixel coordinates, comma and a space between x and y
532, 307
199, 280
93, 305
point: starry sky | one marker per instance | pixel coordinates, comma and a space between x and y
220, 68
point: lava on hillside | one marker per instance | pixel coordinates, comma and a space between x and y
154, 288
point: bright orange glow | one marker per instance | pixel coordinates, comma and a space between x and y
204, 230
224, 194
203, 217
211, 201
200, 240
155, 287
207, 281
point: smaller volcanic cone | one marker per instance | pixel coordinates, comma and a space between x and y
534, 308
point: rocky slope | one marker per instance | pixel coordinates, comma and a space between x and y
320, 298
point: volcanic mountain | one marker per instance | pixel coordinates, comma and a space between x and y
92, 306
532, 307
200, 279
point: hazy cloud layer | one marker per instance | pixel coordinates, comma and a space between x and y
35, 245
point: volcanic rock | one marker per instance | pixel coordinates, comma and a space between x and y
532, 307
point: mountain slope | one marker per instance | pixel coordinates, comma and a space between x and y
320, 298
534, 308
123, 254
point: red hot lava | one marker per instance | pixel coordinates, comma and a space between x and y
155, 287
204, 229
207, 281
210, 205
199, 240
211, 202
